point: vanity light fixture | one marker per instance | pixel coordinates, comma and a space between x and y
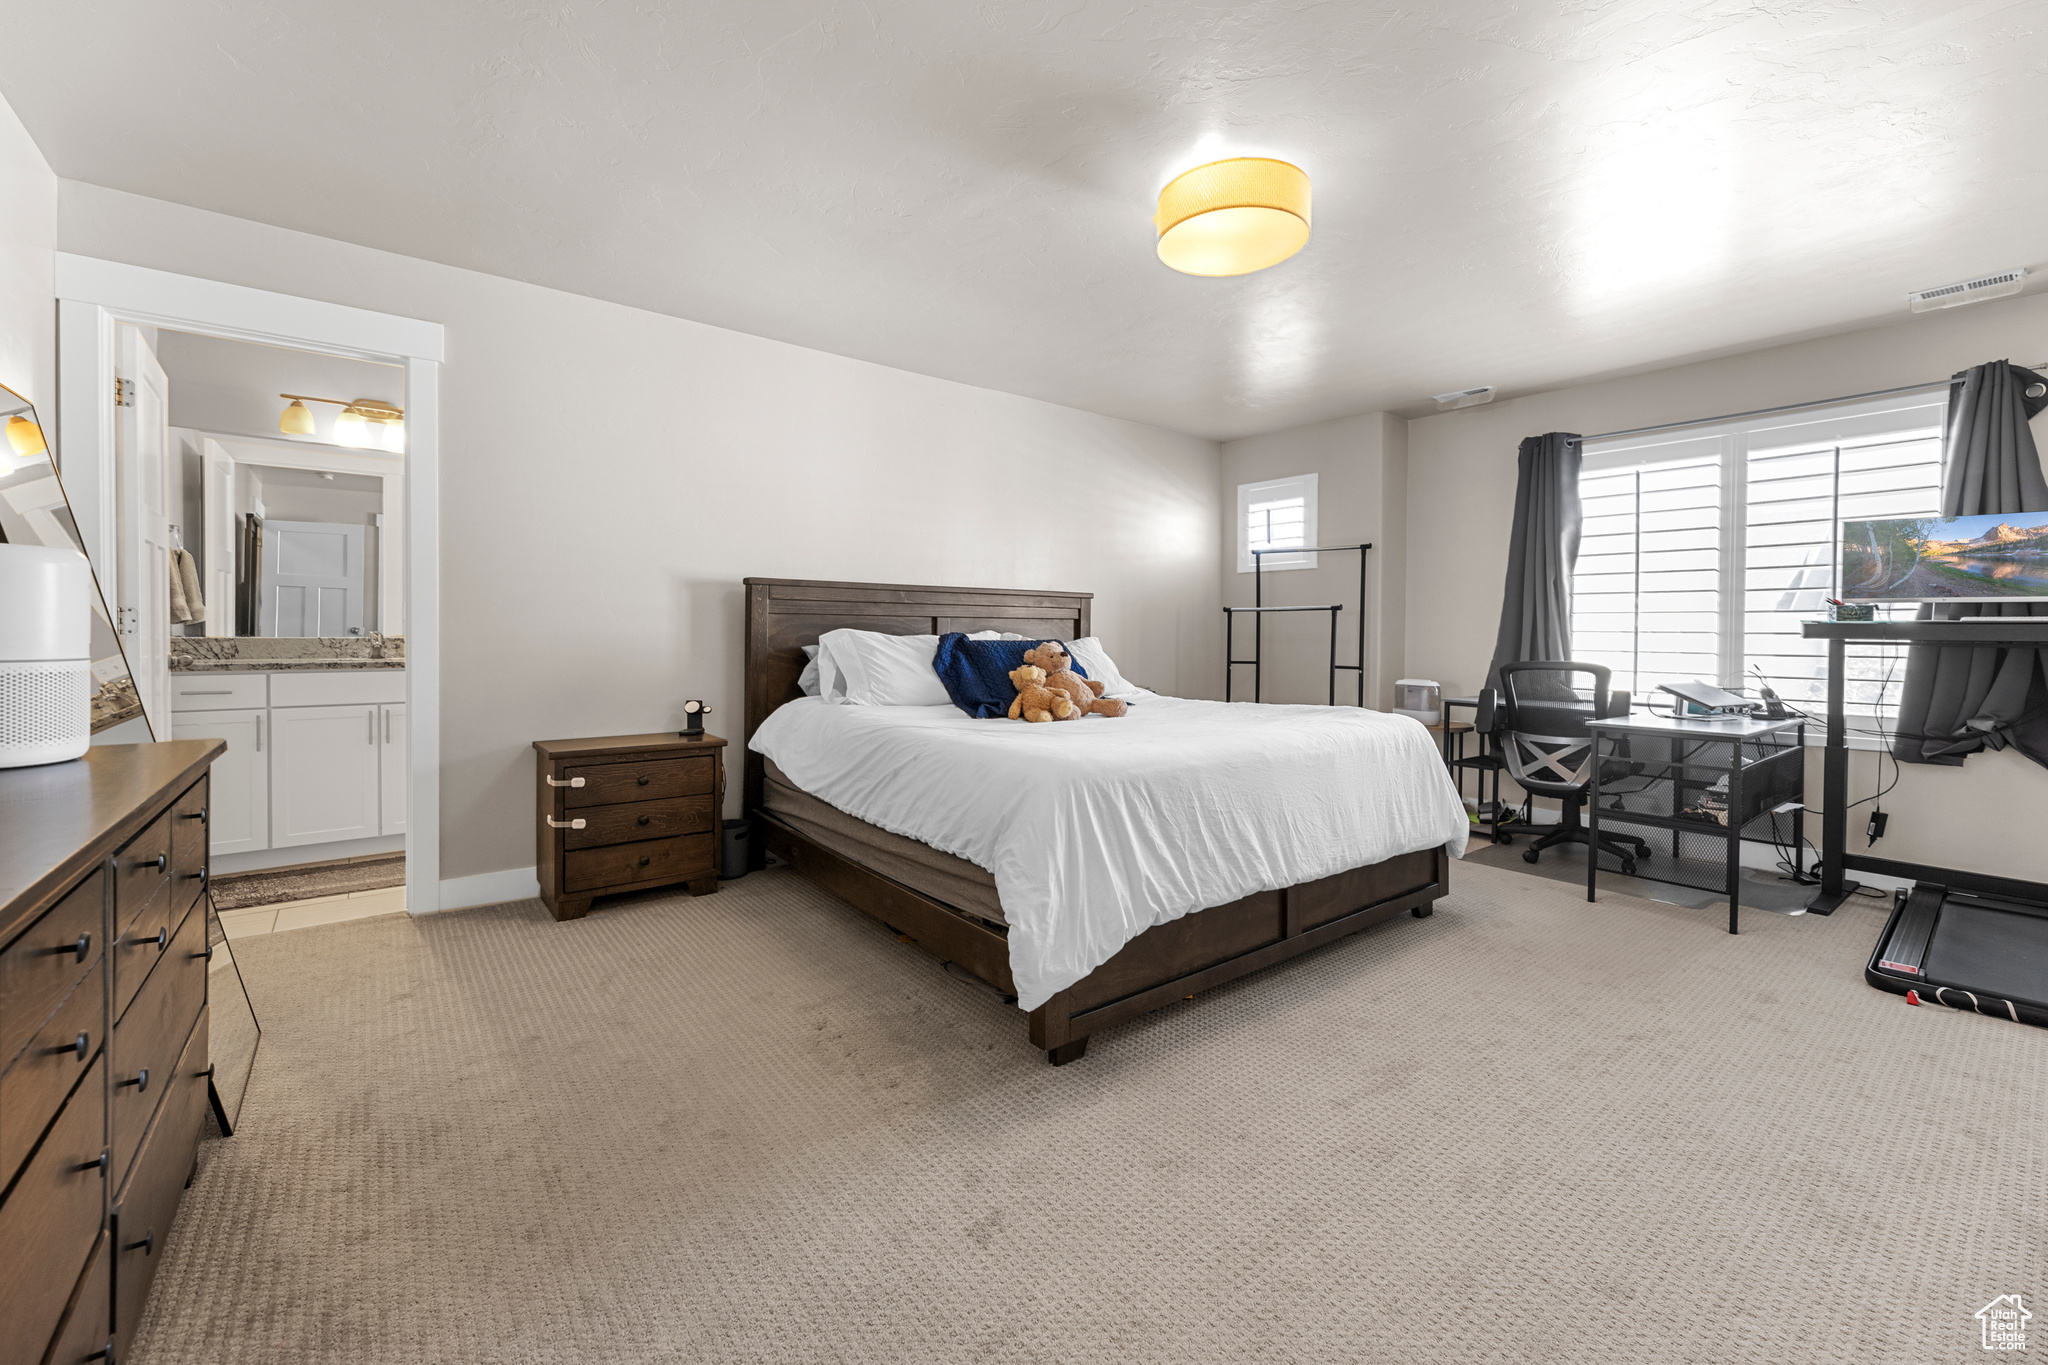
1233, 217
361, 422
26, 437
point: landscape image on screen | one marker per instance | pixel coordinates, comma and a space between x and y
1936, 559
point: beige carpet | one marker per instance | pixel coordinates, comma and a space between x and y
756, 1128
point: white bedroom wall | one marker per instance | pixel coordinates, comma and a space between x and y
608, 476
1360, 465
1461, 495
28, 245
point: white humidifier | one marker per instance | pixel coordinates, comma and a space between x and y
1419, 699
45, 655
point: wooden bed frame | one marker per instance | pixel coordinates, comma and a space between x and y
1165, 963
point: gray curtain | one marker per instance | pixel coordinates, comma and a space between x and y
1536, 609
1959, 700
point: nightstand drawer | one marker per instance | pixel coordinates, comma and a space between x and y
656, 860
640, 820
652, 779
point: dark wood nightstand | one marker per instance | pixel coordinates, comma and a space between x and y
625, 813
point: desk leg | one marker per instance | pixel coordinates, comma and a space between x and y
1834, 792
1593, 824
1735, 839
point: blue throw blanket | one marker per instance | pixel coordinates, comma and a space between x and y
977, 672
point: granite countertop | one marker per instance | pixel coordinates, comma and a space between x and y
179, 665
258, 654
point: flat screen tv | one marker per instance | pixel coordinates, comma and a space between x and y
1946, 559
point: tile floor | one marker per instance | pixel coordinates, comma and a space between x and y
275, 919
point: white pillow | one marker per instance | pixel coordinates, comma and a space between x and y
868, 668
807, 681
1096, 663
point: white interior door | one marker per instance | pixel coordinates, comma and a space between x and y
219, 531
323, 774
238, 810
391, 768
312, 578
144, 559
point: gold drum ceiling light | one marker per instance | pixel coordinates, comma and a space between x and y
1233, 217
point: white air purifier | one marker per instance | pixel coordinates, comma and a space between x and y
45, 655
1420, 699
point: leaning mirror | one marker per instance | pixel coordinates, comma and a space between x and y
35, 512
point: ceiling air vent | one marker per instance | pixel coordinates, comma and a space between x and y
1993, 286
1464, 398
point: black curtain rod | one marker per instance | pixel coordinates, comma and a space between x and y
1788, 407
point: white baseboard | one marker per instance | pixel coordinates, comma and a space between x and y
490, 888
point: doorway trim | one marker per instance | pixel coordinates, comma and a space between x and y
94, 297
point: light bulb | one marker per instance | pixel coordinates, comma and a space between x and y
296, 420
394, 437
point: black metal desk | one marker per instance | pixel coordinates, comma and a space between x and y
1649, 771
1835, 859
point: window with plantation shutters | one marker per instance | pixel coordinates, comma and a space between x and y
1703, 550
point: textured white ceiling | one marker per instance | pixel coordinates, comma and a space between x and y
1507, 193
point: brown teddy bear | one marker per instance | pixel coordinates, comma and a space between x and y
1037, 702
1086, 693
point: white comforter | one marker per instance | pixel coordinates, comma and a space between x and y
1098, 829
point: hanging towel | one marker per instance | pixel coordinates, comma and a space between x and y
186, 604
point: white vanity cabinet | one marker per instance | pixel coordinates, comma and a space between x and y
313, 758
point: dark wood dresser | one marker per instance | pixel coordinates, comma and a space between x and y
103, 1062
625, 813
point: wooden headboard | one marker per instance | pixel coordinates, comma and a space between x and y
785, 614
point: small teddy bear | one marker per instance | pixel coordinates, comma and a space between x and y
1037, 702
1086, 693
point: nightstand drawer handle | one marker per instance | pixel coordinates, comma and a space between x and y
646, 819
553, 823
572, 782
645, 861
645, 779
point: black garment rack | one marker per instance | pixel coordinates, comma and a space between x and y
1835, 859
1257, 611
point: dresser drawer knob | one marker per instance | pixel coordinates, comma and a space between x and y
645, 819
148, 1243
553, 823
140, 1082
163, 939
163, 860
81, 1045
199, 815
645, 779
105, 1353
81, 948
98, 1163
645, 861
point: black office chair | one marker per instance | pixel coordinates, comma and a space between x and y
1539, 719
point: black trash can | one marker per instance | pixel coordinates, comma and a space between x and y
736, 849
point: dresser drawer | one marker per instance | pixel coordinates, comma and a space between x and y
219, 691
88, 1320
146, 1040
188, 826
147, 1204
138, 947
653, 779
141, 869
40, 968
49, 1221
657, 860
33, 1089
640, 820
